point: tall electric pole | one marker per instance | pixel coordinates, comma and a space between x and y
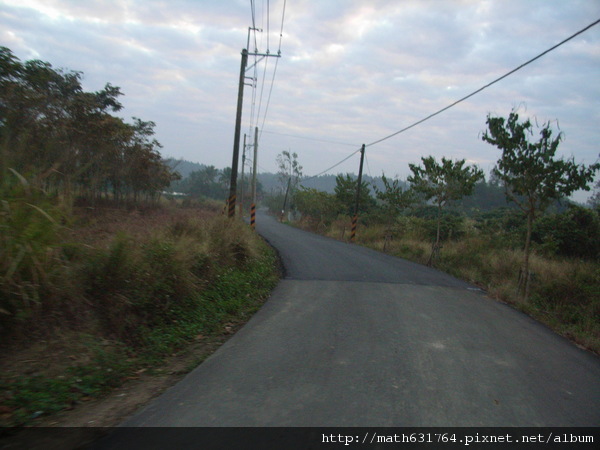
231, 200
236, 138
242, 187
355, 218
254, 164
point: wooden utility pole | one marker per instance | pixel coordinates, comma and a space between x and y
360, 170
254, 165
231, 200
285, 199
242, 186
236, 139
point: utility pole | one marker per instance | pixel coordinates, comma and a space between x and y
360, 170
254, 165
231, 200
285, 199
236, 138
242, 187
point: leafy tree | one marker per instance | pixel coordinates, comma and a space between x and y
205, 182
573, 233
394, 198
594, 200
532, 177
345, 193
290, 170
225, 178
486, 196
316, 204
289, 174
442, 183
67, 141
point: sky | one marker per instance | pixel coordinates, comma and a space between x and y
350, 72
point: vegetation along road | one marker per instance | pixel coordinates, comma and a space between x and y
353, 337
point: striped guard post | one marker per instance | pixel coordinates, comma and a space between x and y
353, 232
253, 216
232, 206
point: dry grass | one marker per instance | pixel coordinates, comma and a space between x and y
137, 286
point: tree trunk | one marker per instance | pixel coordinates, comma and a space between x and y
524, 279
439, 222
436, 246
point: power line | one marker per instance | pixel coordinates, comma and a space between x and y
253, 13
269, 98
274, 71
281, 31
368, 168
262, 88
441, 110
254, 76
486, 86
334, 166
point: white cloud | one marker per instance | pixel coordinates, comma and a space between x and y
350, 71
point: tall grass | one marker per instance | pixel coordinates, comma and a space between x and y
143, 292
32, 264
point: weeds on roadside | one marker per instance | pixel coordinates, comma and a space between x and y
32, 264
146, 296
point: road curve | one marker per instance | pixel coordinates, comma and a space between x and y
354, 337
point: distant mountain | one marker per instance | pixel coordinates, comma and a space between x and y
325, 183
270, 181
185, 168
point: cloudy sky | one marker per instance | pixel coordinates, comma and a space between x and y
350, 72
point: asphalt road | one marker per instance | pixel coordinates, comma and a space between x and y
354, 337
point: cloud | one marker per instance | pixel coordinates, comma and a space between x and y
350, 71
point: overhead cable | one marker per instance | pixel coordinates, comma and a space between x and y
486, 86
334, 166
274, 71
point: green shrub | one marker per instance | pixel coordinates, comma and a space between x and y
574, 233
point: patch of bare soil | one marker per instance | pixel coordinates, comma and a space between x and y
137, 390
106, 412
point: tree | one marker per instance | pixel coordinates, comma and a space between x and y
393, 197
345, 192
594, 200
66, 140
205, 182
532, 176
290, 170
319, 206
442, 183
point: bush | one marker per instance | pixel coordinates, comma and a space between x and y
451, 225
320, 206
574, 233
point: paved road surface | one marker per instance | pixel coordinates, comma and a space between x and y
353, 337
